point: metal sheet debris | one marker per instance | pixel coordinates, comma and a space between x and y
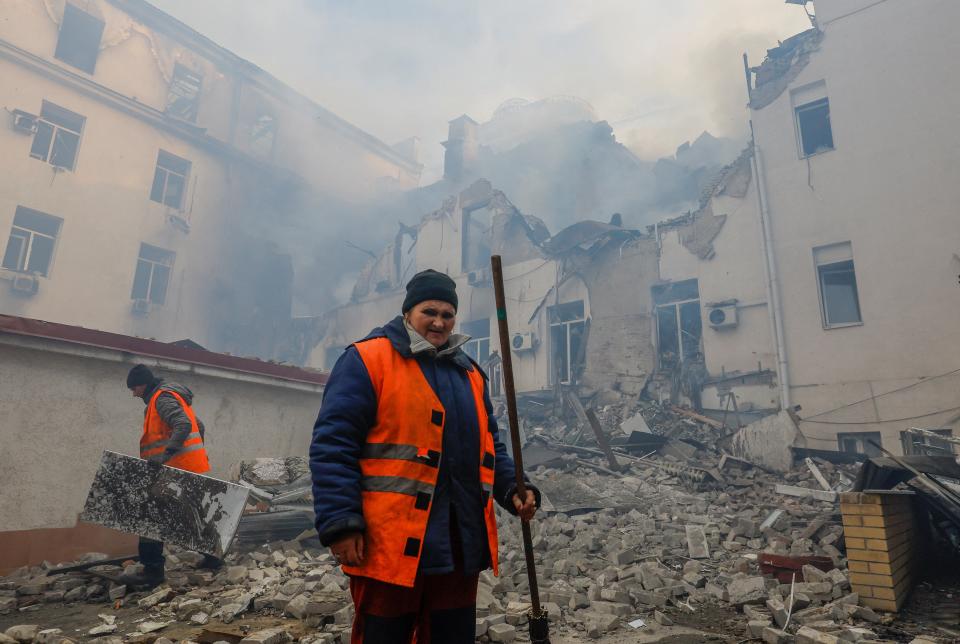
190, 510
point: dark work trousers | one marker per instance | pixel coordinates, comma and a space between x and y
439, 608
151, 556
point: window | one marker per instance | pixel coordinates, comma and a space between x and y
679, 325
837, 282
170, 180
57, 140
858, 443
927, 445
813, 124
31, 243
183, 96
153, 274
476, 238
567, 325
478, 347
79, 40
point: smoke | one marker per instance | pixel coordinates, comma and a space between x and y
661, 72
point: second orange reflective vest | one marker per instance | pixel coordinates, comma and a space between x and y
400, 462
192, 456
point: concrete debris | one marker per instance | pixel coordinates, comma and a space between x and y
653, 544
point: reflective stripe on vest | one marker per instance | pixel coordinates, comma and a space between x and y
192, 456
400, 462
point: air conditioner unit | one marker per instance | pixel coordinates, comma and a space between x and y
24, 122
26, 284
479, 276
141, 307
723, 317
522, 342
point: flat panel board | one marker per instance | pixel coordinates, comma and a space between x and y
189, 510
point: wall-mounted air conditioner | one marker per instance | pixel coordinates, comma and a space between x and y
722, 317
25, 284
523, 342
141, 307
24, 122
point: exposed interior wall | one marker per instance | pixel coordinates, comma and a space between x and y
620, 355
60, 411
728, 266
888, 188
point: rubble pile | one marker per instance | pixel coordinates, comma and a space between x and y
680, 536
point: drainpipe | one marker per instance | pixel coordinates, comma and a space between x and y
773, 283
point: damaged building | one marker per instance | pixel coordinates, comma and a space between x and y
166, 179
571, 324
796, 284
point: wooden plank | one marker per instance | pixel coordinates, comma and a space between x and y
602, 441
694, 415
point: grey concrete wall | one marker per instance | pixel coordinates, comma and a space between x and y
59, 411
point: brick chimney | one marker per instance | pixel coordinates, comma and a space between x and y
462, 148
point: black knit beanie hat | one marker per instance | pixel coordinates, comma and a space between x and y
139, 375
430, 285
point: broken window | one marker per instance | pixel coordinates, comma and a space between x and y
927, 445
679, 325
31, 242
859, 443
567, 325
476, 238
262, 134
813, 124
170, 180
478, 347
153, 274
183, 96
57, 139
837, 280
79, 40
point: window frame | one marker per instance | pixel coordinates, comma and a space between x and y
842, 436
567, 325
167, 171
474, 346
184, 70
61, 55
675, 296
152, 268
27, 248
909, 443
56, 129
807, 107
843, 258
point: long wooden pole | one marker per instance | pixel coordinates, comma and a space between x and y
511, 394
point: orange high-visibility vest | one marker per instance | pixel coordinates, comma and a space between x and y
156, 434
400, 462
